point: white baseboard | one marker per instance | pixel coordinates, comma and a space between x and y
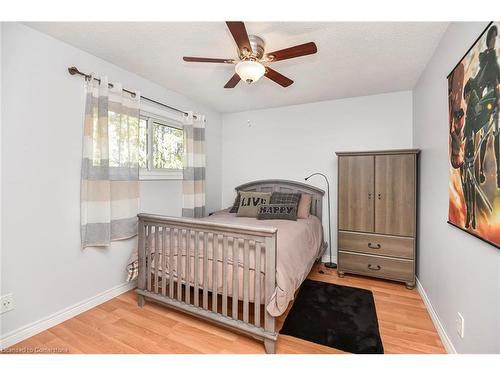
32, 329
448, 345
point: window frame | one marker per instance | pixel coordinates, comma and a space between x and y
149, 173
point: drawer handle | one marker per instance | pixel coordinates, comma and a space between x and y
374, 268
377, 246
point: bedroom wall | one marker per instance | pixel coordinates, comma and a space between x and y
458, 272
42, 263
292, 142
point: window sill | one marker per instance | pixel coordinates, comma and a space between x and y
160, 175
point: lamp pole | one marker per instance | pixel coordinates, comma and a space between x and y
329, 264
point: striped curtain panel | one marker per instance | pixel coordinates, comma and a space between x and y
193, 185
110, 169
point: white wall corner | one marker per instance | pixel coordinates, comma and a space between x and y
445, 339
23, 333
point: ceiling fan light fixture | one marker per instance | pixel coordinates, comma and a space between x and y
250, 71
252, 57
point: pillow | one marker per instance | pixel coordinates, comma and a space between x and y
304, 208
236, 204
277, 211
285, 198
250, 202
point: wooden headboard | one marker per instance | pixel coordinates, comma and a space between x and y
287, 186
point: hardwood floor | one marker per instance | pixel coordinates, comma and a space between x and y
120, 326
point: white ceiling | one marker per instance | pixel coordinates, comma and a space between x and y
353, 59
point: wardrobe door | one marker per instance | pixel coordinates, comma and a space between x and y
355, 196
395, 194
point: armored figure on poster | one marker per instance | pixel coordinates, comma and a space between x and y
467, 170
478, 118
482, 98
487, 82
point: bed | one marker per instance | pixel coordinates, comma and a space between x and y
238, 272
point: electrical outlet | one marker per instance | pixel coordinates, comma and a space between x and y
460, 325
6, 303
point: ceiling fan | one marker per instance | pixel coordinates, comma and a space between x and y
250, 66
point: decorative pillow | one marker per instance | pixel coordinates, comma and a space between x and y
236, 204
277, 211
285, 198
250, 202
304, 208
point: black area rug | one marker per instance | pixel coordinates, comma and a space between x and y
337, 316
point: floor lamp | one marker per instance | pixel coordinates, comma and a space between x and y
329, 264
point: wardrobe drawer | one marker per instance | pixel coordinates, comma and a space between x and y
389, 268
377, 244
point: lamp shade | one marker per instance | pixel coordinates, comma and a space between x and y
250, 71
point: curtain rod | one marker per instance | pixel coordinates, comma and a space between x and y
74, 70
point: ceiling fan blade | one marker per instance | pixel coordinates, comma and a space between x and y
280, 79
295, 51
232, 82
208, 60
239, 33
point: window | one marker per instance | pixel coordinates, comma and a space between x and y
161, 149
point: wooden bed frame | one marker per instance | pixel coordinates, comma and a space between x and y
192, 297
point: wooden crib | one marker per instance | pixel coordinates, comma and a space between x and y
194, 288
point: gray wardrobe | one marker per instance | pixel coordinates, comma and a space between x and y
377, 207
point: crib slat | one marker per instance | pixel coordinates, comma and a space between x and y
157, 258
205, 270
215, 252
171, 252
246, 284
141, 282
224, 275
187, 274
257, 285
235, 254
163, 260
148, 256
179, 265
195, 267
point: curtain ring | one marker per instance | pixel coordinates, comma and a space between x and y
89, 77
